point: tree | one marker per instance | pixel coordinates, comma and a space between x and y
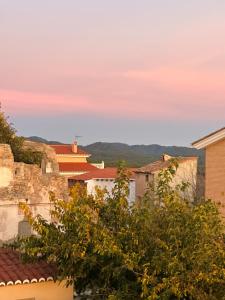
170, 249
8, 136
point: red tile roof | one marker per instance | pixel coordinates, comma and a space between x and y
13, 271
107, 173
67, 149
76, 167
161, 164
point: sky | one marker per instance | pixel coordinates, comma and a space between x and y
132, 71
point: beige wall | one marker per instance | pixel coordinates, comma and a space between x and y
187, 172
37, 291
215, 173
141, 184
70, 158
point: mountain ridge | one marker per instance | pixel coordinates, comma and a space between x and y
134, 155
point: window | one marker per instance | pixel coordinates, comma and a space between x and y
24, 228
146, 178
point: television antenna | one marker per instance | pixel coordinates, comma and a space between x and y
78, 137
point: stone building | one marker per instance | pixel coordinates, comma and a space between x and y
20, 182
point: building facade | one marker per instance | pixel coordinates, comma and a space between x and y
20, 182
73, 161
104, 179
186, 172
33, 281
214, 146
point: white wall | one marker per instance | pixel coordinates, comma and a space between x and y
11, 215
109, 185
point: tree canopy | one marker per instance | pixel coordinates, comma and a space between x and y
8, 136
165, 248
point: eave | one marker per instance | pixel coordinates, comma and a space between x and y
210, 139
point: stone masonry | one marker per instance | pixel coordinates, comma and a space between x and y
20, 182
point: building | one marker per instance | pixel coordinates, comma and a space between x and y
187, 171
73, 161
214, 146
33, 281
20, 182
103, 178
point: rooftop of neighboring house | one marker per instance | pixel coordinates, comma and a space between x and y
13, 271
107, 173
76, 167
163, 163
69, 149
210, 139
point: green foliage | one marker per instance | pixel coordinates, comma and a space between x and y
8, 136
167, 250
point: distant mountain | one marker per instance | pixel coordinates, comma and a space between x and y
41, 140
134, 155
137, 155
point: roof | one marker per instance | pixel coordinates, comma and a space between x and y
162, 164
67, 149
13, 271
107, 173
210, 139
76, 167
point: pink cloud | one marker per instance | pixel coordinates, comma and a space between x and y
163, 93
24, 103
182, 80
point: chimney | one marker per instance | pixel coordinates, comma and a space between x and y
166, 157
74, 147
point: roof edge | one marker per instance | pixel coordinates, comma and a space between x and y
209, 139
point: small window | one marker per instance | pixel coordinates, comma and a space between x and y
146, 178
24, 228
17, 171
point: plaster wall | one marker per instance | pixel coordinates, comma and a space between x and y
109, 185
37, 291
186, 172
142, 182
71, 158
215, 173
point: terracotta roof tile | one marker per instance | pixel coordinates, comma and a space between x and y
101, 174
161, 164
14, 271
76, 167
67, 149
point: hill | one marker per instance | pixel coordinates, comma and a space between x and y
41, 140
134, 155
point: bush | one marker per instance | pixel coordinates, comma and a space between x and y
170, 249
8, 136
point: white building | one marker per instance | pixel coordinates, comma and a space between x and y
103, 178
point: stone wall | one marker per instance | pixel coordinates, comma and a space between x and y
21, 182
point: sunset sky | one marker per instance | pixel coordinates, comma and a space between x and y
133, 71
